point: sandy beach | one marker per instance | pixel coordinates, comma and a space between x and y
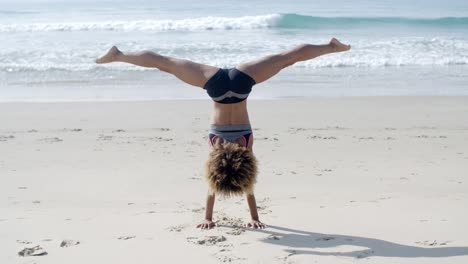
342, 180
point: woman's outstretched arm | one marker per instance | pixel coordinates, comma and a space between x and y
255, 220
190, 72
208, 222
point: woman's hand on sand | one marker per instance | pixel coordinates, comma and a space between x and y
206, 224
256, 224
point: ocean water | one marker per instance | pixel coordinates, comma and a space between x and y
401, 48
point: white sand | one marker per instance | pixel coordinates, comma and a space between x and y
375, 180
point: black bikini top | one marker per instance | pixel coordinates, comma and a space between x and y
229, 86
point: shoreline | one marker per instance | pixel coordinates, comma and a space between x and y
284, 98
290, 83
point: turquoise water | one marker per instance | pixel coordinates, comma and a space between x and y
399, 47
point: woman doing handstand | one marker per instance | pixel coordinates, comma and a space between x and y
231, 168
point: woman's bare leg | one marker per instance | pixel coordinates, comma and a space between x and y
190, 72
265, 68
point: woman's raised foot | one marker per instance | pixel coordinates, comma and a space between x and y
338, 46
110, 56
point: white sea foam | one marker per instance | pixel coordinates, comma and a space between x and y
190, 24
274, 20
365, 53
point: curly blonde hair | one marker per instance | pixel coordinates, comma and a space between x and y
231, 170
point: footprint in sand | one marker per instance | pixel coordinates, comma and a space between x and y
198, 210
364, 254
294, 130
102, 137
126, 237
207, 240
23, 242
425, 127
236, 231
273, 237
72, 129
236, 225
147, 212
6, 138
325, 239
324, 138
2, 137
432, 243
34, 251
228, 258
194, 143
195, 178
69, 243
264, 200
285, 258
51, 140
336, 128
422, 136
385, 198
160, 139
177, 228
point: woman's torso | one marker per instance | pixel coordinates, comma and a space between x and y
230, 114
